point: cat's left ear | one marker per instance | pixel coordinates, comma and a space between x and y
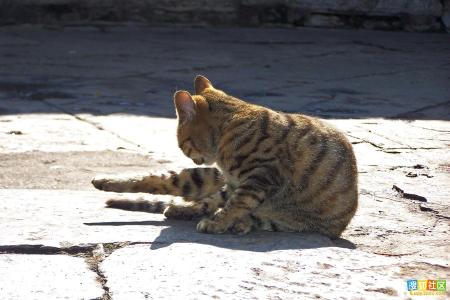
185, 106
201, 83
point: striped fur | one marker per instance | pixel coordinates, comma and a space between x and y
189, 183
280, 172
138, 205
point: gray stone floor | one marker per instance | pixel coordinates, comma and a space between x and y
86, 100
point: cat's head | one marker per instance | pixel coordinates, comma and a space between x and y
197, 130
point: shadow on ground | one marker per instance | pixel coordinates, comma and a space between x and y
177, 231
135, 70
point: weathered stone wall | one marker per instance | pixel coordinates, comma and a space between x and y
411, 15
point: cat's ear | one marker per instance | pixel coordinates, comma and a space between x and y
185, 106
201, 83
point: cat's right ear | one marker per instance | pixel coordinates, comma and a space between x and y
201, 83
185, 106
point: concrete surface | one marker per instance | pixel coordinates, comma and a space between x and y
80, 101
410, 15
47, 277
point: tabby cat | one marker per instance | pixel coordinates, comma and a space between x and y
275, 171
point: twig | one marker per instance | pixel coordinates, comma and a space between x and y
409, 196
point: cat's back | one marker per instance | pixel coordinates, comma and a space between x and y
306, 141
303, 150
318, 153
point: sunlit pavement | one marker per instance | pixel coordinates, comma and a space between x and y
81, 101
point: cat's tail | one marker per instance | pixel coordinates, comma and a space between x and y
155, 206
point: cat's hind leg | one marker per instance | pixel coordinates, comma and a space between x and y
171, 210
194, 183
192, 210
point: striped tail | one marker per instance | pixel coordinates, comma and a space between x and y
156, 207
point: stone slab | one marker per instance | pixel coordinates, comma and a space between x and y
59, 218
47, 277
53, 132
154, 136
43, 217
69, 170
204, 271
63, 218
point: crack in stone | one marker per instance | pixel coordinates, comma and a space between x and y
436, 213
412, 268
361, 140
413, 206
380, 47
416, 167
99, 127
414, 148
95, 258
397, 254
325, 54
383, 136
408, 113
376, 74
432, 129
86, 251
79, 250
45, 250
390, 150
94, 255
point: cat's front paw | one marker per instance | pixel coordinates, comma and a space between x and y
99, 182
210, 226
108, 184
242, 227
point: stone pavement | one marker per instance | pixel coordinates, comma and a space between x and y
409, 15
80, 101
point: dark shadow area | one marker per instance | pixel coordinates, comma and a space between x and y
135, 70
257, 241
360, 15
131, 223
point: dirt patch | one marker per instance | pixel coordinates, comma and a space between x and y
67, 170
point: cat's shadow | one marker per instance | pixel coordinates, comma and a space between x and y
177, 231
